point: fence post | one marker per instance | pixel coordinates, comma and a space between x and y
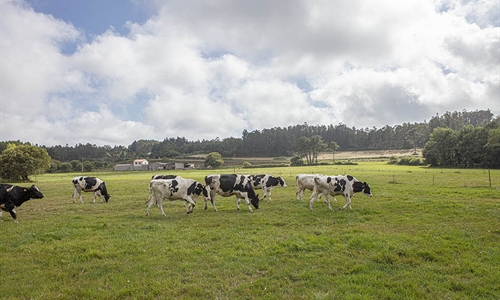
489, 176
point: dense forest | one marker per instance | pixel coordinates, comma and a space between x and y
462, 130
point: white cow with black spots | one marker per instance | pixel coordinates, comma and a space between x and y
176, 189
345, 185
266, 182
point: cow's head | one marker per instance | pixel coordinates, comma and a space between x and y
362, 187
282, 182
106, 197
35, 193
205, 191
255, 201
367, 191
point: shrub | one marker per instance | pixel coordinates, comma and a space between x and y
296, 161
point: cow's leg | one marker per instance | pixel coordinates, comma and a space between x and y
77, 193
347, 202
151, 203
11, 208
327, 201
160, 206
237, 203
14, 215
212, 200
267, 193
190, 205
247, 202
299, 194
311, 200
264, 194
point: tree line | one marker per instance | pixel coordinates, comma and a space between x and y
459, 138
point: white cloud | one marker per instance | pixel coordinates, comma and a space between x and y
209, 69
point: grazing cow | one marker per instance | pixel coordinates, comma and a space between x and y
305, 181
176, 189
232, 184
266, 183
89, 184
12, 196
338, 185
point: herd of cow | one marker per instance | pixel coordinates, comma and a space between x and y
174, 187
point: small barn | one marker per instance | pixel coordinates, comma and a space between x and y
141, 165
123, 167
158, 166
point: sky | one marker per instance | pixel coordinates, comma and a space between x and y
108, 72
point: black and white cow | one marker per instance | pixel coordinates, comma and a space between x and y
339, 185
176, 189
89, 184
266, 183
232, 184
160, 176
12, 196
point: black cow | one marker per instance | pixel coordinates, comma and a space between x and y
12, 196
232, 184
89, 184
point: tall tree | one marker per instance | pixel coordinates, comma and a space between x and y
311, 147
19, 162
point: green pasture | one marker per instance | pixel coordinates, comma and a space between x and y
425, 234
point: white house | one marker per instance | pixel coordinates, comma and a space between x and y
140, 164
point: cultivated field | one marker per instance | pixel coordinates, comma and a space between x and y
425, 234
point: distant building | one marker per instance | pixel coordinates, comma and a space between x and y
158, 166
137, 165
123, 167
143, 165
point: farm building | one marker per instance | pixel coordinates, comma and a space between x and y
137, 165
157, 166
178, 166
143, 165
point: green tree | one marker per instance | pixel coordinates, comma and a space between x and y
492, 155
333, 146
213, 160
19, 162
311, 147
65, 167
441, 150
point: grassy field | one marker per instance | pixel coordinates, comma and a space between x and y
425, 234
